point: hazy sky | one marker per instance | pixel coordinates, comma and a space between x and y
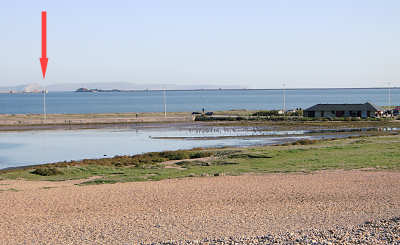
255, 44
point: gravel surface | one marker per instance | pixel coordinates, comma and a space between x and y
315, 208
371, 232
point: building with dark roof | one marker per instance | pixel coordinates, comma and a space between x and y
343, 110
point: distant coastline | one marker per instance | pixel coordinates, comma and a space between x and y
87, 90
130, 87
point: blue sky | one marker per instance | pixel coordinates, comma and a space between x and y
254, 44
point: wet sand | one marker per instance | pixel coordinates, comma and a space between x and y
193, 208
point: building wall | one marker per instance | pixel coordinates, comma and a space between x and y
324, 114
319, 114
364, 114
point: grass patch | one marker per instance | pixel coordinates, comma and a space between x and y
223, 162
146, 160
99, 181
249, 155
303, 142
187, 164
9, 189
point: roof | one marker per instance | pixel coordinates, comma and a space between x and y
344, 107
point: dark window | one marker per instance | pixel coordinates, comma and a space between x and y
339, 113
322, 113
310, 114
359, 113
368, 113
353, 113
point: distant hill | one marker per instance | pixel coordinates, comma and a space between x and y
134, 86
18, 88
123, 86
24, 88
85, 90
104, 86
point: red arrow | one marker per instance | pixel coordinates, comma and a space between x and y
44, 59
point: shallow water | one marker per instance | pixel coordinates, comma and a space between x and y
46, 146
23, 148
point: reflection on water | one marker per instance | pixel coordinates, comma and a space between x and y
236, 131
38, 147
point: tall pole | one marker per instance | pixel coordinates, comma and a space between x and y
44, 104
389, 95
284, 99
165, 103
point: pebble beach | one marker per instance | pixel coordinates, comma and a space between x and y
327, 207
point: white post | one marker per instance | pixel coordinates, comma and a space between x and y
165, 103
284, 99
389, 96
44, 104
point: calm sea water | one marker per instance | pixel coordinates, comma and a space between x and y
211, 100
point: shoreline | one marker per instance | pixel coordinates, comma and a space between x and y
17, 122
35, 120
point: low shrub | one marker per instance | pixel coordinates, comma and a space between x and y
174, 155
204, 118
146, 160
304, 142
200, 154
266, 113
47, 171
192, 163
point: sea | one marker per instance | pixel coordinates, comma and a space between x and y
189, 100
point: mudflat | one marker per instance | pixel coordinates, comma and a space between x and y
44, 212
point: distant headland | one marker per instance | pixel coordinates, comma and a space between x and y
86, 90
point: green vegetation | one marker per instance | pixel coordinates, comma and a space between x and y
9, 189
220, 118
293, 116
304, 142
378, 152
47, 171
308, 123
266, 113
